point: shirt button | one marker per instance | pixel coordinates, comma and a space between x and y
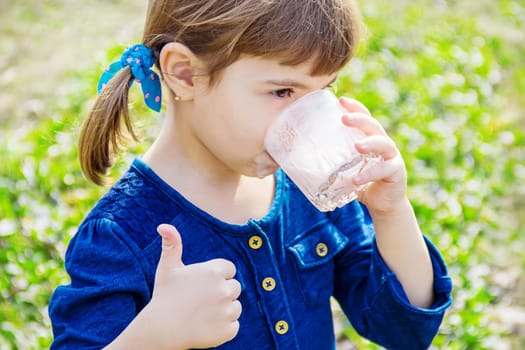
255, 242
268, 284
281, 327
321, 249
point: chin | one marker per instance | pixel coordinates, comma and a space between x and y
262, 173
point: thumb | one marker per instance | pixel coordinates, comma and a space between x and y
171, 256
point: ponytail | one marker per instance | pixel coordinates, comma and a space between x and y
102, 133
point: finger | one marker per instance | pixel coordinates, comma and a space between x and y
377, 144
171, 255
364, 122
353, 106
235, 310
235, 288
231, 332
389, 171
224, 268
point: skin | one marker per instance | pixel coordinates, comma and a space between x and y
212, 143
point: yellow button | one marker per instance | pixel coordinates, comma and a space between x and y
268, 284
255, 242
321, 249
281, 327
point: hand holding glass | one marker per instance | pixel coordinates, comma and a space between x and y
316, 150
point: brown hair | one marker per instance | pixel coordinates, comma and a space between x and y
219, 31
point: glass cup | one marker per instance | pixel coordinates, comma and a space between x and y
316, 150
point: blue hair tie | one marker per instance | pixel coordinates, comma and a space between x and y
140, 59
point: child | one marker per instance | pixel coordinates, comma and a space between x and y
241, 260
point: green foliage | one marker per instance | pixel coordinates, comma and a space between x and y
440, 85
445, 85
43, 198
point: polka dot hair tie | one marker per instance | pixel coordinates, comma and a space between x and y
140, 59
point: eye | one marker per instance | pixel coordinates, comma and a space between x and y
282, 93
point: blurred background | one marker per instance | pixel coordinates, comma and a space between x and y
446, 78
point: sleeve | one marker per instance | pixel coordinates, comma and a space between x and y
108, 289
372, 297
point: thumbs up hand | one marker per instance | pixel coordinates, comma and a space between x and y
194, 306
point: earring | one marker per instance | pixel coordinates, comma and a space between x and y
177, 98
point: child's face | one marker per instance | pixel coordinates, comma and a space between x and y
233, 116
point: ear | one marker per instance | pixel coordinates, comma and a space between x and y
178, 65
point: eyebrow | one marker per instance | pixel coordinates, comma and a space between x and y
293, 83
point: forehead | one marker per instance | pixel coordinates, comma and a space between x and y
261, 69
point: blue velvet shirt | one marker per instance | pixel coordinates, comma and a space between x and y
289, 264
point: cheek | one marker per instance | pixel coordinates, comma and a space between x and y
248, 122
240, 117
